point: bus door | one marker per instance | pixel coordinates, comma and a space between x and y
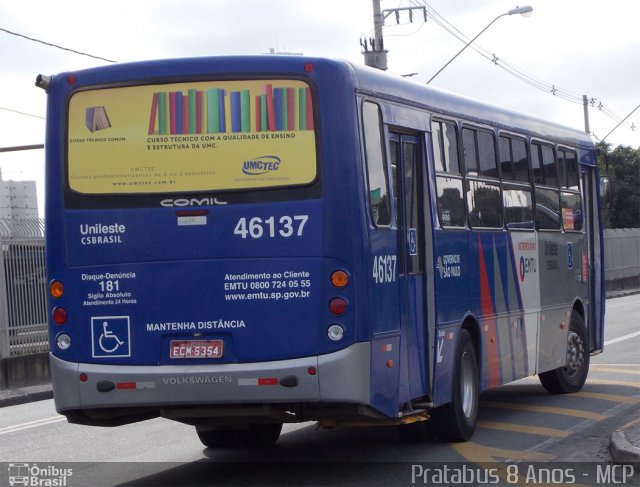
595, 319
408, 169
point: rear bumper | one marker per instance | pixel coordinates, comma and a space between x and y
341, 377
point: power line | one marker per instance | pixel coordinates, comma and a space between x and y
512, 69
22, 113
614, 129
509, 67
22, 147
56, 46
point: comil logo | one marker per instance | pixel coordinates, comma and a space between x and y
261, 165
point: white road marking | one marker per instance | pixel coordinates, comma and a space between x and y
622, 338
31, 424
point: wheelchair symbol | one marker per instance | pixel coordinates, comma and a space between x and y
110, 337
413, 241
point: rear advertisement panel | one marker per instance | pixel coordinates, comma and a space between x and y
198, 136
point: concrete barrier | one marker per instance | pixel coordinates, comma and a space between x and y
622, 258
24, 370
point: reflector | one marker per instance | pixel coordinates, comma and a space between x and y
56, 289
59, 316
340, 279
63, 341
338, 306
335, 333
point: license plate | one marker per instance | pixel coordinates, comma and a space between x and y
195, 349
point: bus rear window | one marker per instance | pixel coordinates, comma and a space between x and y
187, 137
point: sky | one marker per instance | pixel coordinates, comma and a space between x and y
579, 47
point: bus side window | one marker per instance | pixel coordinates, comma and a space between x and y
516, 196
377, 176
513, 159
518, 207
570, 199
535, 163
545, 173
506, 158
568, 167
485, 208
487, 155
445, 147
550, 166
469, 151
547, 209
520, 161
483, 197
448, 178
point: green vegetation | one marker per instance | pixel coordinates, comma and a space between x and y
624, 172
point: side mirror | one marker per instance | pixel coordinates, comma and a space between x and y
605, 191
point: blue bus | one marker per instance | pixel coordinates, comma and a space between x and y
241, 242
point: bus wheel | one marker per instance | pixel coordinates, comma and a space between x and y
418, 432
263, 434
219, 437
571, 377
456, 421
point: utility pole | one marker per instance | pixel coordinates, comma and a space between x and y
374, 52
375, 55
585, 103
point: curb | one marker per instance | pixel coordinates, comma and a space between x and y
621, 450
621, 294
10, 398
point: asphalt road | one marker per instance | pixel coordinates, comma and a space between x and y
520, 422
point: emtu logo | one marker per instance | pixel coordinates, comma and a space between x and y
527, 265
261, 165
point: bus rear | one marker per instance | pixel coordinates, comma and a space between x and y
195, 270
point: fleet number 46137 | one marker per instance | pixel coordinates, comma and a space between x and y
384, 268
285, 226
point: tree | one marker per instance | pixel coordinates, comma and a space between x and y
624, 173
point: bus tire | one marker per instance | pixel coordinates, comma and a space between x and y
418, 432
258, 435
263, 434
456, 421
219, 437
571, 377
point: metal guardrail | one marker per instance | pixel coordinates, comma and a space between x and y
23, 283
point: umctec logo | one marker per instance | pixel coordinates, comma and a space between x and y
261, 165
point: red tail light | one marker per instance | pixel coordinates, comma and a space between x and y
59, 316
338, 306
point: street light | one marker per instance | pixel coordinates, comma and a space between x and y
524, 11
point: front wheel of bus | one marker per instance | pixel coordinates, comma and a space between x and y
571, 377
249, 435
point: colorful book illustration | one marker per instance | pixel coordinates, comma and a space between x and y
96, 118
209, 111
179, 113
236, 115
